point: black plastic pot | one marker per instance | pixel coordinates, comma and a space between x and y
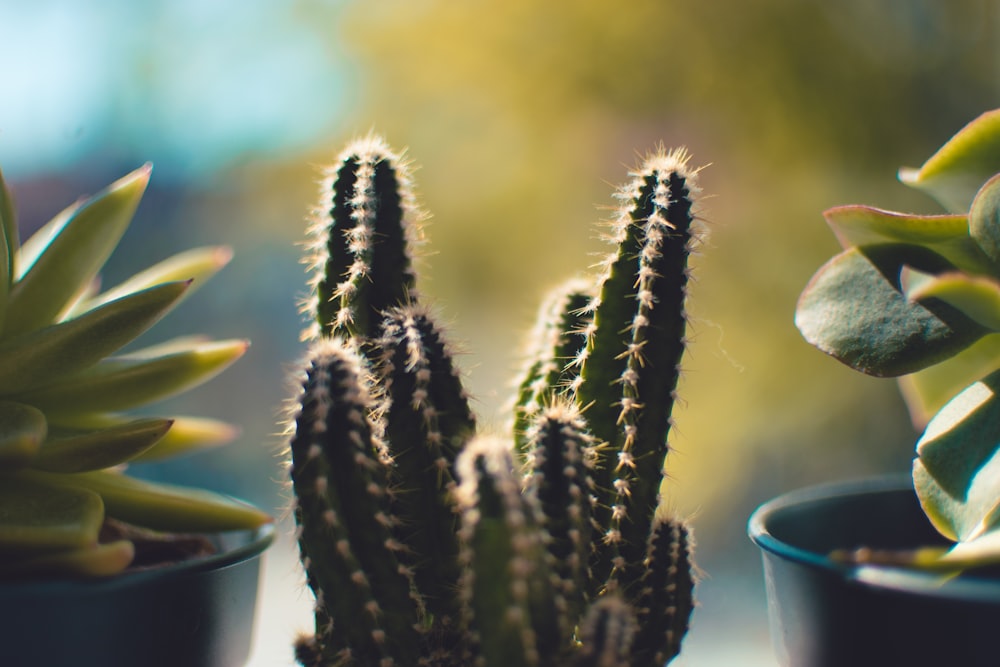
826, 614
198, 613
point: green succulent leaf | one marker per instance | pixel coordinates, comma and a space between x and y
947, 235
22, 430
955, 172
35, 245
957, 470
119, 383
161, 506
187, 435
977, 297
984, 218
927, 391
8, 227
101, 449
855, 310
41, 357
99, 560
38, 517
73, 258
196, 265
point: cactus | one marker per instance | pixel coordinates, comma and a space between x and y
428, 543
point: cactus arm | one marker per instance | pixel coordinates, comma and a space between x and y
636, 344
367, 220
350, 555
560, 461
427, 419
556, 342
607, 634
666, 598
509, 604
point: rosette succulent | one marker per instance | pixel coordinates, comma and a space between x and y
918, 297
67, 388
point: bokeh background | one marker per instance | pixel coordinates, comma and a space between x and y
523, 116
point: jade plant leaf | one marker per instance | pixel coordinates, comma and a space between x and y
977, 297
984, 218
927, 391
955, 172
947, 235
855, 310
957, 470
22, 430
75, 255
40, 517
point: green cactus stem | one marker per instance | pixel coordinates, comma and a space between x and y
607, 634
366, 222
560, 463
556, 342
427, 420
631, 364
666, 598
365, 609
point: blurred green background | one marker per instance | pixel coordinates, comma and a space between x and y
523, 116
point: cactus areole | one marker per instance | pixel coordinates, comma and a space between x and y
426, 542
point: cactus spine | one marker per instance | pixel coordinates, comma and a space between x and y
427, 544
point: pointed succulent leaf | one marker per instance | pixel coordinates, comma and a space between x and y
22, 430
98, 560
927, 391
957, 470
119, 383
40, 517
955, 172
981, 551
984, 218
75, 255
8, 227
35, 245
196, 265
160, 506
947, 235
977, 297
96, 450
40, 357
854, 309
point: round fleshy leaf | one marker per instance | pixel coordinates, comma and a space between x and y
854, 309
37, 517
956, 171
22, 430
984, 218
947, 235
978, 297
927, 391
957, 470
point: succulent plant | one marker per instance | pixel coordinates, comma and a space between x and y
66, 389
427, 542
918, 296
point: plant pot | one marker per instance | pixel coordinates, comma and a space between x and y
197, 613
825, 613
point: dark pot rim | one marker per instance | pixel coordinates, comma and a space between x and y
966, 586
234, 547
